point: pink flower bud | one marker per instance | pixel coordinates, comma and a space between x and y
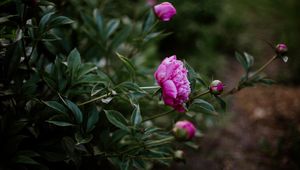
281, 49
164, 11
171, 75
216, 87
184, 130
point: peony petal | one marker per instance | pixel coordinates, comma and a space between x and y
169, 89
160, 74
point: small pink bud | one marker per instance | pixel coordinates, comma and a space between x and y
281, 49
216, 87
184, 130
164, 11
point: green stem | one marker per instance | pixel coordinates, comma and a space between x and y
94, 99
200, 94
263, 67
158, 115
155, 143
238, 87
150, 87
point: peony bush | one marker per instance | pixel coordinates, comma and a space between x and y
75, 93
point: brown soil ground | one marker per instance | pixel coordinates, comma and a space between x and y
262, 132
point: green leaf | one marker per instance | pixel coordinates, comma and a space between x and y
44, 20
131, 87
76, 111
120, 37
221, 102
50, 37
136, 117
148, 23
60, 20
99, 22
203, 106
129, 66
117, 119
266, 81
74, 62
60, 123
242, 60
112, 26
249, 59
56, 106
83, 139
85, 69
25, 160
125, 165
92, 120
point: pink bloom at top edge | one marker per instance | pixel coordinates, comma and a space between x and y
151, 2
164, 11
171, 75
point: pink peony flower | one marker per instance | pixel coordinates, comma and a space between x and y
184, 130
171, 75
164, 11
216, 87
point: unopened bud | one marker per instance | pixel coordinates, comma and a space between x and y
179, 156
281, 49
184, 130
216, 87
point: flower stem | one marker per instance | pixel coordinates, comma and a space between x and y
150, 87
200, 94
238, 87
94, 99
263, 67
159, 115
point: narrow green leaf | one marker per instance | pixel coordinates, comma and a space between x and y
25, 160
85, 69
266, 81
76, 111
221, 102
202, 106
83, 139
99, 22
149, 21
74, 62
60, 123
249, 59
60, 20
131, 87
56, 106
242, 60
117, 119
125, 165
44, 20
112, 26
120, 37
136, 117
50, 37
92, 120
129, 66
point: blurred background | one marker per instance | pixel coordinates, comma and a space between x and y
261, 127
